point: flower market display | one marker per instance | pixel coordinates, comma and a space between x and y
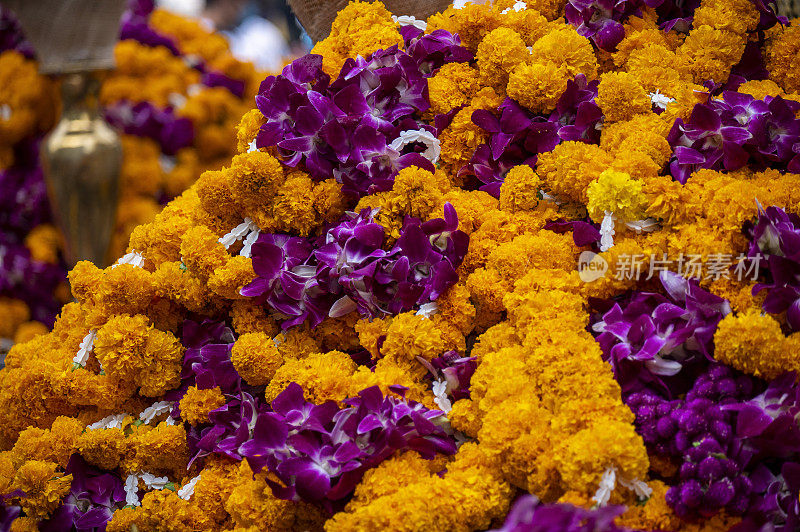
32, 274
177, 94
519, 267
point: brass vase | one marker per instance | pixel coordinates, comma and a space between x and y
81, 159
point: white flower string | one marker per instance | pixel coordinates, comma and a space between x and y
424, 137
134, 258
155, 410
639, 487
247, 231
607, 484
132, 490
176, 100
440, 392
648, 225
550, 198
607, 231
660, 100
518, 6
609, 481
194, 89
153, 482
114, 421
167, 163
85, 349
428, 310
150, 481
187, 490
408, 20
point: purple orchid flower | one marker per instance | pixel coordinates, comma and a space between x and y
730, 132
768, 421
529, 515
456, 370
601, 20
584, 232
705, 142
345, 129
577, 115
433, 50
776, 236
517, 136
94, 496
218, 79
134, 25
231, 425
419, 268
23, 206
654, 337
320, 452
287, 279
777, 507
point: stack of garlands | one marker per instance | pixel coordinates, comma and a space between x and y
373, 318
177, 94
32, 273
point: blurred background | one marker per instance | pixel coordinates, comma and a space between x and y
264, 32
92, 148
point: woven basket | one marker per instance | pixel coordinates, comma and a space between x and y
70, 35
317, 16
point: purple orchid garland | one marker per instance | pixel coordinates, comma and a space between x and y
733, 437
736, 130
348, 269
530, 515
320, 452
346, 127
776, 238
601, 20
652, 339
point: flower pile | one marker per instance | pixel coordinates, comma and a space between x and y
521, 266
32, 273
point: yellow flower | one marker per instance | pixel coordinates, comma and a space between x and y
567, 170
13, 313
43, 485
452, 86
537, 86
710, 53
563, 47
618, 193
323, 376
196, 404
498, 54
621, 97
360, 28
782, 53
754, 344
256, 358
